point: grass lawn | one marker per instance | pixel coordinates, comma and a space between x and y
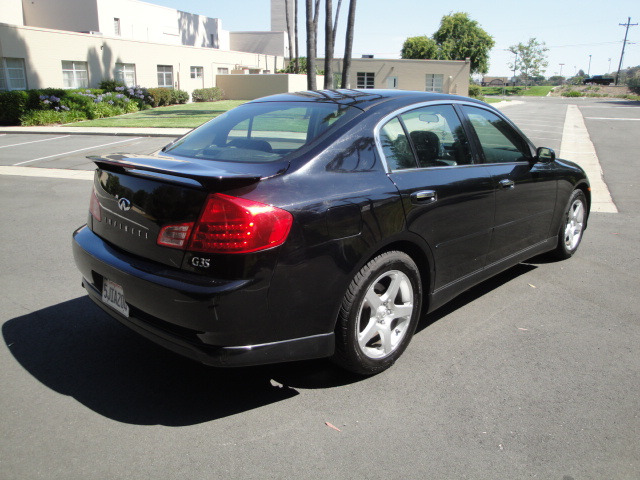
535, 91
189, 115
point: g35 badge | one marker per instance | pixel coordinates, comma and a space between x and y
200, 262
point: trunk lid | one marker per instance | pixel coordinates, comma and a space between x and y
140, 194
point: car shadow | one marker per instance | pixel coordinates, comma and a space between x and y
475, 292
75, 349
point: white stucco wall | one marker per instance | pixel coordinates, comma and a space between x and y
11, 12
271, 43
72, 15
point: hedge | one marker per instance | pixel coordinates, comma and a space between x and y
207, 94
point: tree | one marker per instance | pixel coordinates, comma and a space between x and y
458, 38
555, 80
348, 47
531, 58
295, 34
421, 47
289, 35
329, 41
312, 36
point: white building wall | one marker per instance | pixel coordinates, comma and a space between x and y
71, 15
270, 43
44, 50
11, 12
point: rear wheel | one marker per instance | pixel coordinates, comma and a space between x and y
574, 220
379, 314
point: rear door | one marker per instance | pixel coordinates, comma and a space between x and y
525, 191
448, 198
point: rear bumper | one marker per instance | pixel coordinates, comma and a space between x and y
219, 323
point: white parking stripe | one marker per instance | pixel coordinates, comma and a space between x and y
35, 141
577, 147
47, 173
623, 119
75, 151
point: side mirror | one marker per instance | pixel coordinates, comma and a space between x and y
545, 155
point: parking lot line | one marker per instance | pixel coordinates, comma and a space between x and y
577, 147
76, 151
47, 173
34, 141
604, 118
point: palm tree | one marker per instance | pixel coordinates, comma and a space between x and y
286, 15
348, 48
312, 36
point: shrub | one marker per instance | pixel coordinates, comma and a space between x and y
179, 96
211, 94
572, 93
160, 96
47, 117
110, 85
634, 84
13, 105
475, 91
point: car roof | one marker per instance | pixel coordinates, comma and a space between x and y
363, 99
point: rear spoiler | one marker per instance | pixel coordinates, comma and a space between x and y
194, 173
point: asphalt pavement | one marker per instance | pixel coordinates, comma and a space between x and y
533, 374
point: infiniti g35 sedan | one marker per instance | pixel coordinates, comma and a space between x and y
321, 224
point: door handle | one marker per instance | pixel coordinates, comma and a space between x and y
424, 196
505, 183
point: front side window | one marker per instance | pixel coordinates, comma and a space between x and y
74, 74
262, 132
435, 83
500, 143
196, 72
366, 79
12, 74
165, 76
126, 73
437, 136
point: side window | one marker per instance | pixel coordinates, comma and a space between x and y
396, 147
437, 136
500, 143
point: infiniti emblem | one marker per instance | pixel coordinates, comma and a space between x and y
124, 204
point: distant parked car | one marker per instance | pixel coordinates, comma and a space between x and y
598, 80
321, 224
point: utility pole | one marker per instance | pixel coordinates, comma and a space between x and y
561, 65
624, 44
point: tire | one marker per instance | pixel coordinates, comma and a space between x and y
572, 228
379, 314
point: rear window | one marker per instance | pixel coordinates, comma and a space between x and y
262, 132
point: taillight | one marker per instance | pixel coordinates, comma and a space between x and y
175, 236
94, 205
233, 225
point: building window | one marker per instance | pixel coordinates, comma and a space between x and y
392, 82
434, 82
196, 72
74, 74
165, 76
12, 74
126, 73
116, 26
366, 79
223, 71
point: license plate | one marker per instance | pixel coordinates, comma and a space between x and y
113, 295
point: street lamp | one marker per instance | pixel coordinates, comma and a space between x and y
561, 65
609, 70
589, 69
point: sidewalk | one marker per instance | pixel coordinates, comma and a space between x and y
138, 132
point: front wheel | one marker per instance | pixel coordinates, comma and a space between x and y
379, 314
574, 221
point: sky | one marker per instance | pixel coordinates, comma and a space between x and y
572, 30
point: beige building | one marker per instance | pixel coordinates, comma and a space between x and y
79, 43
444, 76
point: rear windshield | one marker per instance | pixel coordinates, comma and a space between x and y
262, 132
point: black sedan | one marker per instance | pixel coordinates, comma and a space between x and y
321, 224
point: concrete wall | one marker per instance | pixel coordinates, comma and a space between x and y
44, 50
11, 12
411, 74
72, 15
249, 87
271, 43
